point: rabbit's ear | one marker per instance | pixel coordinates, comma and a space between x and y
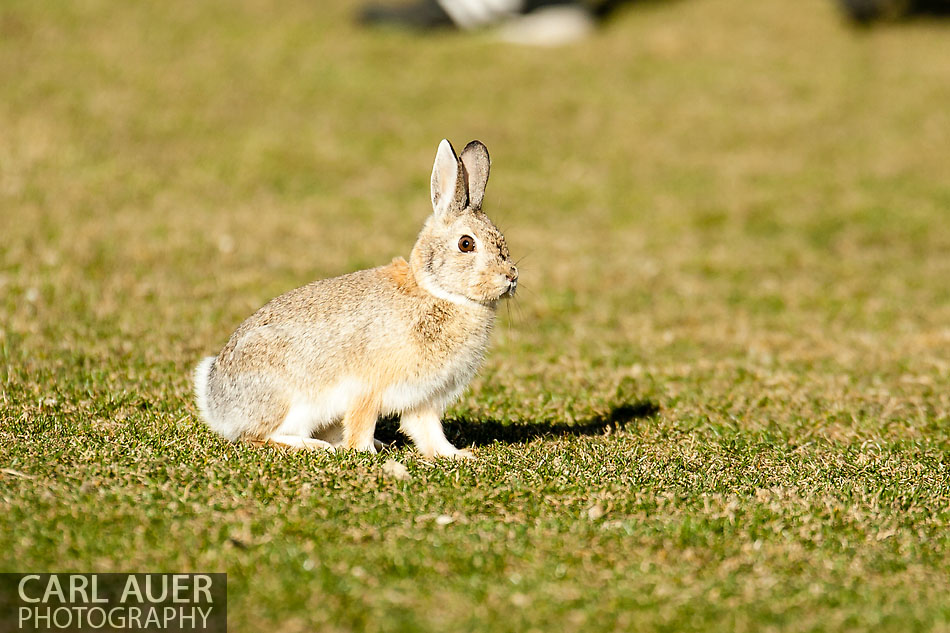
477, 165
448, 182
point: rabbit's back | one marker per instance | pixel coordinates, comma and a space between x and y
320, 328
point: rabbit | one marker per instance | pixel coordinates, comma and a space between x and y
316, 367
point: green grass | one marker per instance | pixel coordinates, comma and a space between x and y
720, 402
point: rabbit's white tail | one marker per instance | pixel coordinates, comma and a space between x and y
202, 375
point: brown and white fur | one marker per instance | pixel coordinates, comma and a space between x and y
317, 366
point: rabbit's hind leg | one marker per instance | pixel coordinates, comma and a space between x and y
297, 442
297, 427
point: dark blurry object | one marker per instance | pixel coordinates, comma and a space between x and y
420, 15
867, 11
532, 22
864, 11
466, 14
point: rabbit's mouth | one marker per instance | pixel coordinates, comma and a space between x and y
511, 285
495, 288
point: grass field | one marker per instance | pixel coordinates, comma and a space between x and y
720, 401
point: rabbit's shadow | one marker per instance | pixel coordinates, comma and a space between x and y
466, 431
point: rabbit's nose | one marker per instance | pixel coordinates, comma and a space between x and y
512, 274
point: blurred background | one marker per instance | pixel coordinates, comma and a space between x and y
692, 182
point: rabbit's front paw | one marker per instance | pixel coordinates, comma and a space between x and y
455, 453
365, 448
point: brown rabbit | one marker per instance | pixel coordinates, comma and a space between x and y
317, 366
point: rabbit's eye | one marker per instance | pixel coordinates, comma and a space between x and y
466, 244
